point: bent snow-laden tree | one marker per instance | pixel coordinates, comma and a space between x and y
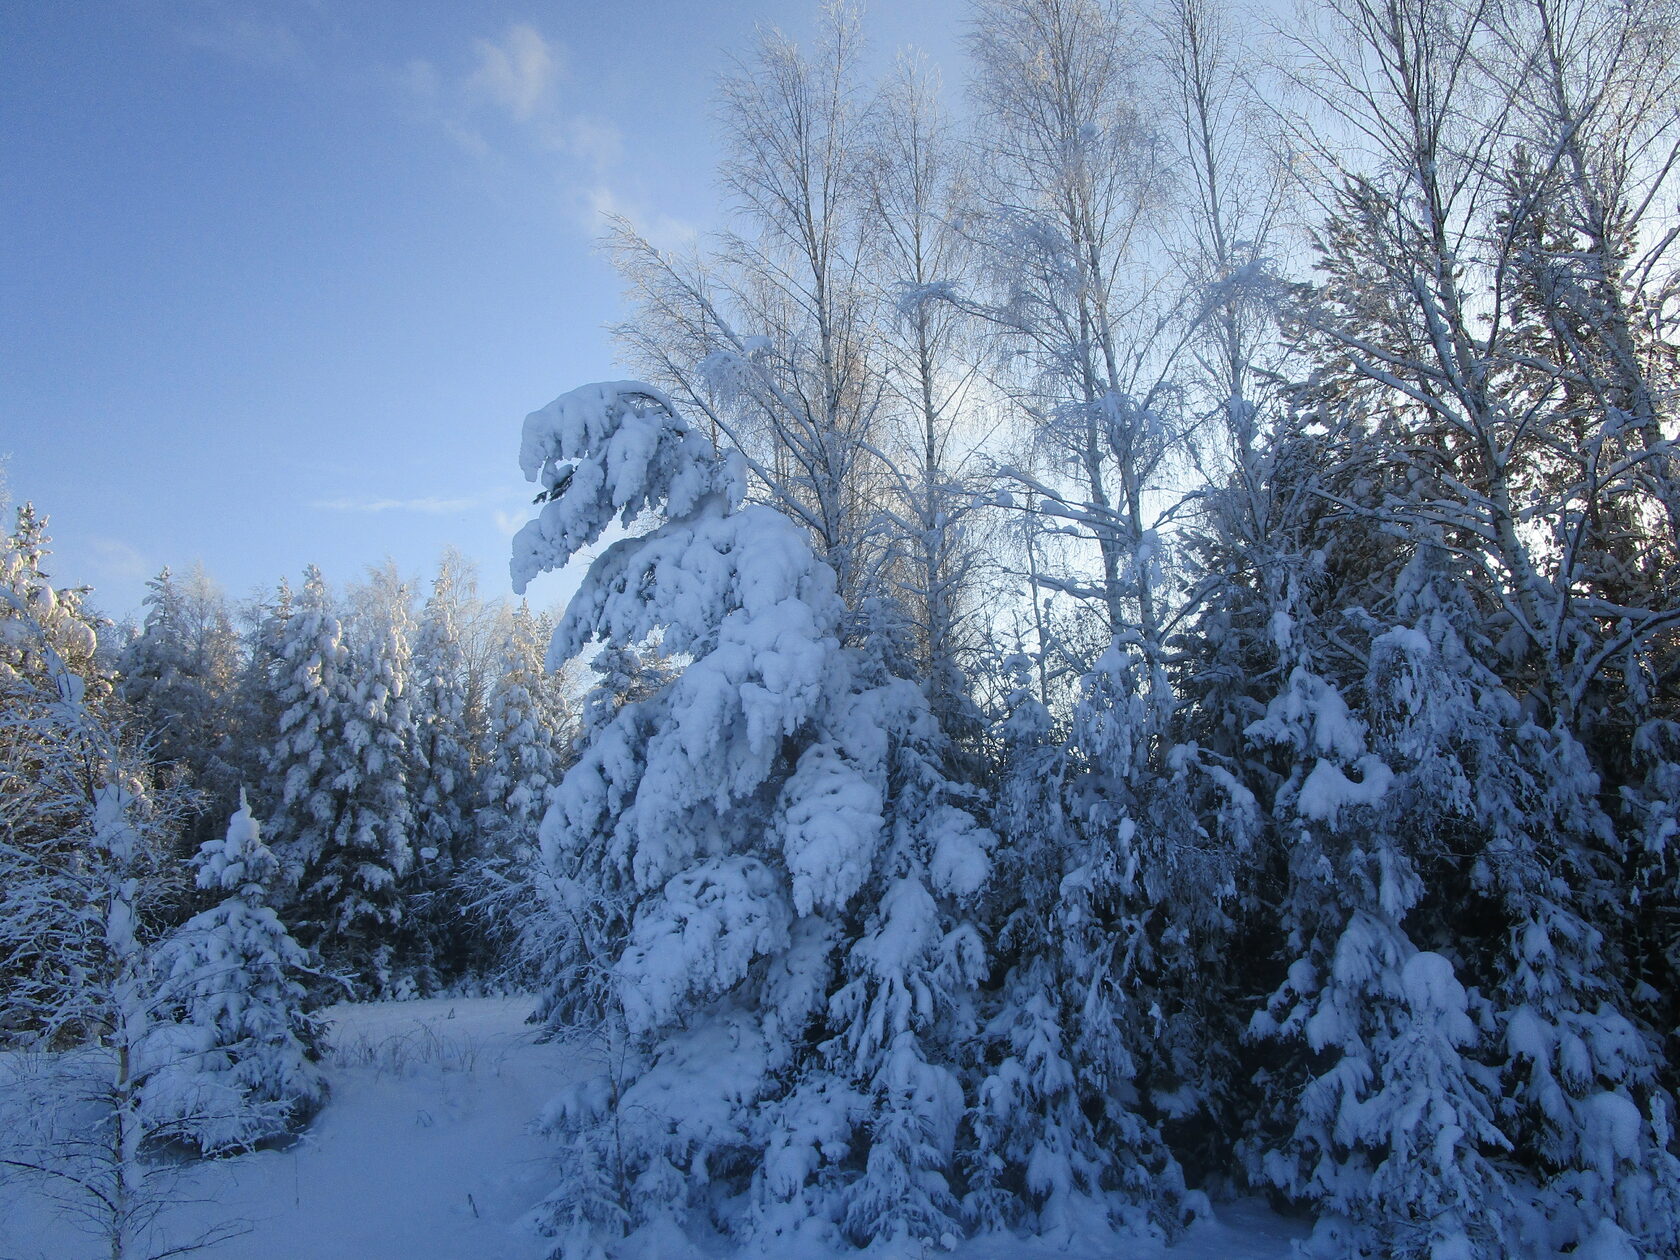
761, 874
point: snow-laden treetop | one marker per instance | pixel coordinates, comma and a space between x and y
239, 861
615, 448
711, 573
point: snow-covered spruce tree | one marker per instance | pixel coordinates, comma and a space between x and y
178, 676
568, 980
1480, 855
1096, 1037
1276, 569
1581, 1098
1391, 1129
1034, 1143
340, 821
308, 664
256, 702
1650, 814
228, 1060
526, 745
441, 788
378, 820
1371, 1102
766, 870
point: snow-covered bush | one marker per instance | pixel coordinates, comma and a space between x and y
228, 1060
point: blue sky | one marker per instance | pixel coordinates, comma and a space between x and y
280, 280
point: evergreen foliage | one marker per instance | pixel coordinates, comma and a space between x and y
229, 1059
760, 864
342, 818
441, 786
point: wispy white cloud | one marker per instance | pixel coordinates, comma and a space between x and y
602, 204
255, 40
509, 91
118, 558
594, 140
501, 98
429, 506
519, 72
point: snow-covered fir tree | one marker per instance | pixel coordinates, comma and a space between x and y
255, 706
1392, 1129
1582, 1096
766, 871
341, 816
441, 786
1035, 1147
378, 819
228, 1061
525, 746
1068, 1113
178, 675
623, 676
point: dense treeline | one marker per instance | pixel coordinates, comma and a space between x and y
1144, 655
397, 751
207, 834
1258, 457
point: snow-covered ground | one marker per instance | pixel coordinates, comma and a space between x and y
424, 1153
